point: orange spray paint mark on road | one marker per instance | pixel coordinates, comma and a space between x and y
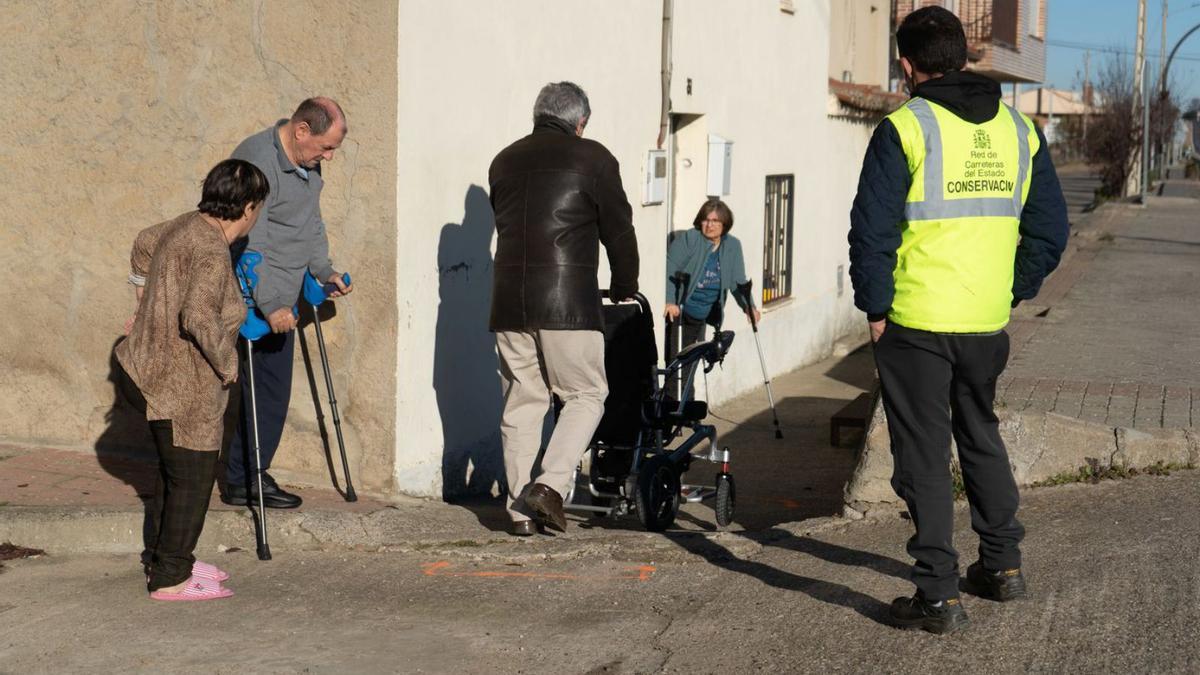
441, 569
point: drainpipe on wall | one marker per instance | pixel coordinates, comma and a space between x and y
664, 120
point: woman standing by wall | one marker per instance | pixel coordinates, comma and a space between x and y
182, 355
702, 264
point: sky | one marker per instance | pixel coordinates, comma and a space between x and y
1075, 25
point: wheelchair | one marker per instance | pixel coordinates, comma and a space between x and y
647, 438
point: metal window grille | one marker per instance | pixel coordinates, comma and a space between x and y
777, 239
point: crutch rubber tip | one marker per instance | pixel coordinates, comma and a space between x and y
350, 496
264, 552
778, 434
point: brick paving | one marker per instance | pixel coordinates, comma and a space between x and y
1113, 336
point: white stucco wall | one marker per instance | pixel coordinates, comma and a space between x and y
469, 73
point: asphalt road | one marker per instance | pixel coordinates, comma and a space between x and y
1112, 571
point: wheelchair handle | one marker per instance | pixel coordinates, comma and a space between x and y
637, 297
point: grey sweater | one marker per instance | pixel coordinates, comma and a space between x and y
289, 233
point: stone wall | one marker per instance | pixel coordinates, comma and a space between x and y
117, 110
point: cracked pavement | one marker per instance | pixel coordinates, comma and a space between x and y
1113, 589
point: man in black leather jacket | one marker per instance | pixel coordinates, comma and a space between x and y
557, 197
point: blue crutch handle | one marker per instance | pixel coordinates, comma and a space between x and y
255, 325
315, 293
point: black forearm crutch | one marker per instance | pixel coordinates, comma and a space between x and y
744, 290
675, 344
333, 406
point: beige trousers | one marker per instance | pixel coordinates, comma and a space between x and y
534, 365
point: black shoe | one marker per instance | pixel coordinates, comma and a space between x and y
945, 616
1000, 586
274, 497
547, 505
524, 528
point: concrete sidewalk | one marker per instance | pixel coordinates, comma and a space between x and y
1112, 335
79, 500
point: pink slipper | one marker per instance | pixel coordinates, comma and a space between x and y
203, 570
195, 590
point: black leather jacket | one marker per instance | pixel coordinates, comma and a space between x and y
557, 197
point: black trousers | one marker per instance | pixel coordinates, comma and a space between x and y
175, 516
273, 384
937, 386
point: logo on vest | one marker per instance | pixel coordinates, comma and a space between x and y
984, 171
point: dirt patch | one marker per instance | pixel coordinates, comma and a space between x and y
10, 551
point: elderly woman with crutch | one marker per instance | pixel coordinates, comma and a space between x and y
702, 264
181, 354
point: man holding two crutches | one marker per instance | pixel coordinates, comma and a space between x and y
290, 237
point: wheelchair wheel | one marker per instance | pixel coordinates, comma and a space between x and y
658, 493
725, 499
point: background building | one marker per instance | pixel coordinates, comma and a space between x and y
1006, 39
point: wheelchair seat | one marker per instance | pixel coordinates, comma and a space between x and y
670, 413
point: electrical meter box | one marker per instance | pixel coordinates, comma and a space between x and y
720, 165
655, 189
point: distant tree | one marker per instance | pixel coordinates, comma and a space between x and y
1114, 136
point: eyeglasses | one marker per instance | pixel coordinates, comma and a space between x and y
707, 221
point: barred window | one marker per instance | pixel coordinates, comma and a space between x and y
777, 239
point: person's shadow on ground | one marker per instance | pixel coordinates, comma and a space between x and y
466, 377
825, 591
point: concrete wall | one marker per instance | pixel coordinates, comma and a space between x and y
469, 73
119, 108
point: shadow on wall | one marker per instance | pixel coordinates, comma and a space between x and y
125, 449
466, 376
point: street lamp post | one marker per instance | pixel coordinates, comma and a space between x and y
1163, 92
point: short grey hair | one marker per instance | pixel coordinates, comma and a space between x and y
563, 100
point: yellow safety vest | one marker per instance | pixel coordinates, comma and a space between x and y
954, 267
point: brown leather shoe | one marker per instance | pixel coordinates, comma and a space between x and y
547, 505
523, 528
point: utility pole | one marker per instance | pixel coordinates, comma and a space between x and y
1159, 155
1134, 180
1087, 95
1145, 140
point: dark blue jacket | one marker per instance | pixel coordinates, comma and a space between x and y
877, 216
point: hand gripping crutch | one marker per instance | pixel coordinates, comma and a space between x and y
315, 294
744, 291
253, 328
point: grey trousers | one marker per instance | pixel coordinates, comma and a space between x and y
534, 365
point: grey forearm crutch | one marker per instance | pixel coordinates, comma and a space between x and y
333, 406
744, 290
316, 294
264, 547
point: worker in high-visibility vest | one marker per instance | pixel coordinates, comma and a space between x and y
959, 216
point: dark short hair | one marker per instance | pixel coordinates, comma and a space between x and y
932, 38
724, 214
230, 187
319, 113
